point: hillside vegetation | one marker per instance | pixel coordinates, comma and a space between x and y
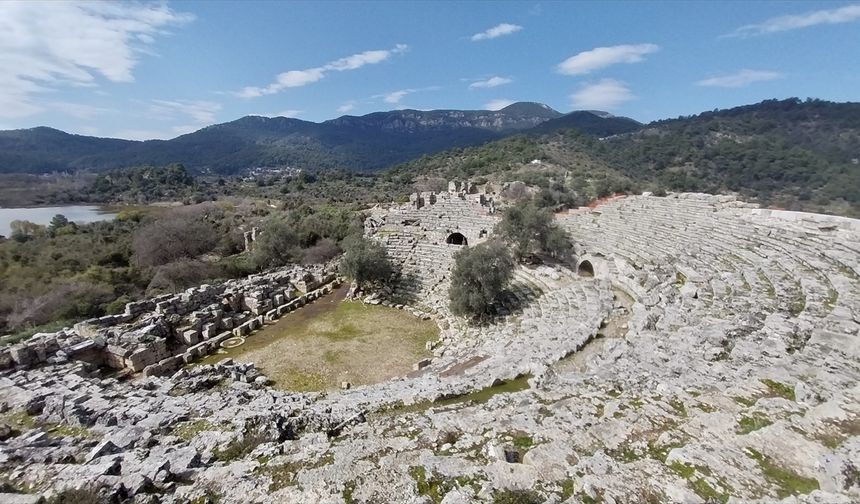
359, 143
793, 154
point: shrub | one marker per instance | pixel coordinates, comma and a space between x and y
179, 275
324, 251
480, 274
276, 245
365, 262
173, 238
531, 231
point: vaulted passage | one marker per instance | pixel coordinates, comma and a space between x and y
456, 239
585, 269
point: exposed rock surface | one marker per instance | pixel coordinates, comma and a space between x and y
713, 356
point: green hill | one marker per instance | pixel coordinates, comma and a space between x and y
793, 154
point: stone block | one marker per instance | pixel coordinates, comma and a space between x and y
209, 330
6, 360
423, 363
23, 355
190, 336
152, 370
221, 337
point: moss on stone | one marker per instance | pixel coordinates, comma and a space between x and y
660, 452
281, 475
707, 492
187, 431
68, 431
683, 470
625, 454
707, 408
678, 406
522, 442
432, 487
348, 492
752, 423
745, 401
516, 497
787, 482
19, 421
780, 389
567, 488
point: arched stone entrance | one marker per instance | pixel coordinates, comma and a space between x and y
585, 269
456, 239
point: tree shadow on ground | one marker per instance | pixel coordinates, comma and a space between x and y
405, 289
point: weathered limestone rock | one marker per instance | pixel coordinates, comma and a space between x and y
633, 384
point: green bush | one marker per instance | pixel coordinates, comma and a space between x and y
365, 262
276, 245
480, 274
531, 231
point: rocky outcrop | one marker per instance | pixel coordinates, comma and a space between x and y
700, 350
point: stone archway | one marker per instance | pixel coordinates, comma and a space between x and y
585, 269
456, 239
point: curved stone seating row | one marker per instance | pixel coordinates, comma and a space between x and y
643, 230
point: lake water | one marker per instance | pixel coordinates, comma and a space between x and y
43, 215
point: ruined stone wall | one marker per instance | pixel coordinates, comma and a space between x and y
160, 334
424, 234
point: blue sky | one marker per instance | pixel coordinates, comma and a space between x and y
157, 70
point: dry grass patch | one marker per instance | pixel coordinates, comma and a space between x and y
331, 341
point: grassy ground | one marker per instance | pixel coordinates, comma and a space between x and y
331, 341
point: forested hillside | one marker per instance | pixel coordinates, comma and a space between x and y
789, 154
359, 143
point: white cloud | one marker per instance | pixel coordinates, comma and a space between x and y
299, 78
183, 130
396, 96
497, 104
606, 94
46, 45
492, 82
740, 79
497, 31
366, 58
346, 107
290, 113
844, 14
602, 57
79, 110
199, 112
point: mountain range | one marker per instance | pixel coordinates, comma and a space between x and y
370, 142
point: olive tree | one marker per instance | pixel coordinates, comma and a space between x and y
480, 275
531, 231
366, 262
